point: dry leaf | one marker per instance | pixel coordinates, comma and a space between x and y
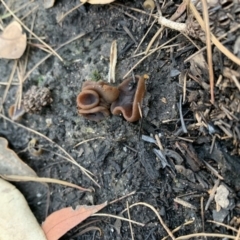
97, 1
12, 41
11, 164
48, 3
221, 196
17, 221
61, 221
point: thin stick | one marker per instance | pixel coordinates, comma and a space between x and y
179, 227
184, 86
181, 116
88, 140
224, 225
155, 20
39, 39
236, 82
130, 224
238, 235
154, 39
215, 235
156, 49
157, 214
202, 214
68, 12
119, 199
50, 54
215, 41
18, 178
221, 37
212, 193
70, 158
117, 217
9, 81
209, 48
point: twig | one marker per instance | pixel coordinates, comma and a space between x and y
209, 48
119, 199
50, 54
70, 158
130, 224
215, 41
181, 116
117, 217
18, 178
212, 193
68, 12
156, 49
157, 214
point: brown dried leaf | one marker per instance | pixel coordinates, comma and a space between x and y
97, 1
12, 41
61, 221
17, 221
48, 3
11, 164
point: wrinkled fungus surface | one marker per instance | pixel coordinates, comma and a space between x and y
131, 93
94, 100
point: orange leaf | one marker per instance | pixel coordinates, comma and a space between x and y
61, 221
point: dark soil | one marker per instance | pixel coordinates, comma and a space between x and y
121, 162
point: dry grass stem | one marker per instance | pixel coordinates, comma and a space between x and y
50, 54
221, 37
215, 41
88, 140
145, 35
224, 225
159, 31
17, 178
30, 12
68, 12
130, 224
209, 48
214, 235
157, 214
212, 193
70, 158
236, 82
184, 86
186, 36
159, 142
14, 11
156, 49
9, 81
118, 199
179, 228
24, 26
117, 217
131, 8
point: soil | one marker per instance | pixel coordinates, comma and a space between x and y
120, 160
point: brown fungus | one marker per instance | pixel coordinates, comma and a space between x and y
94, 100
108, 93
131, 92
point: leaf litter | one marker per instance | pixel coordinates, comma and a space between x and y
225, 119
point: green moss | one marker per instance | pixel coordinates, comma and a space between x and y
40, 80
96, 76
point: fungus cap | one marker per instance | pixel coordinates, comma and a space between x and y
95, 114
87, 99
131, 92
106, 92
